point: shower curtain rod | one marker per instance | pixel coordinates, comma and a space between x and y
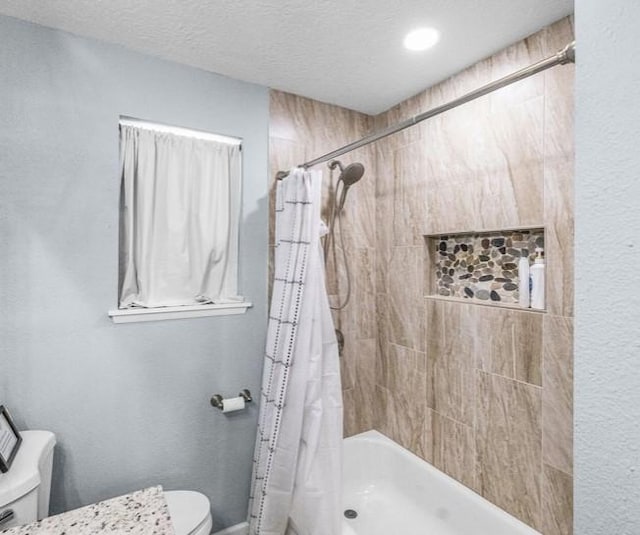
564, 56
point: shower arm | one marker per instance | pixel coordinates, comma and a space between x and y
564, 56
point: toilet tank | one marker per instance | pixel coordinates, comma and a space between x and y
26, 487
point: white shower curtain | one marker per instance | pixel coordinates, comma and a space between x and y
297, 472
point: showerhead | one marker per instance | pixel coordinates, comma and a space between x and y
348, 176
351, 174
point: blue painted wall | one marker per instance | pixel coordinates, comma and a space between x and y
607, 311
128, 403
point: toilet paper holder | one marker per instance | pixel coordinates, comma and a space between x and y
217, 400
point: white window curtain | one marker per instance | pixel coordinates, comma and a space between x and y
179, 216
297, 471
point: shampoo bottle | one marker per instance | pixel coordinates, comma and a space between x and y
523, 282
537, 281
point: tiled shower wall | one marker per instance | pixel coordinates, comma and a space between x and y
301, 129
484, 393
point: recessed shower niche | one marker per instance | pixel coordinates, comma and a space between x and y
480, 267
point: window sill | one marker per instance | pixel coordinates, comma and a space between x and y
133, 315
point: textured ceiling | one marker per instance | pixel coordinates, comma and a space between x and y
346, 52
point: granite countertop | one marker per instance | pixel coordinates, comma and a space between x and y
143, 512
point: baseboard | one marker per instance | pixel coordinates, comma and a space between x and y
238, 529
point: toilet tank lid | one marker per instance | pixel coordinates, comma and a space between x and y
24, 474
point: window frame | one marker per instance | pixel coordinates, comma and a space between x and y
143, 314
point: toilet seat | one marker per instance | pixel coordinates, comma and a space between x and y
190, 512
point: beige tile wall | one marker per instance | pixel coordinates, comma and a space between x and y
301, 129
499, 383
485, 394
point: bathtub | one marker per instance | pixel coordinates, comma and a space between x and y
395, 492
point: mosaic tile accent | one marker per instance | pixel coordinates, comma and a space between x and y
483, 266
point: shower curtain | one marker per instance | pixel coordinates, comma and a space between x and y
297, 471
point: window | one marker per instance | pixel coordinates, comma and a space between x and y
179, 216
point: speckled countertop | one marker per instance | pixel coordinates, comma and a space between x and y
143, 512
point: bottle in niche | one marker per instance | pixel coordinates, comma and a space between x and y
537, 281
523, 282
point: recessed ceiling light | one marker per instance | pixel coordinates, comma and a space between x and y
421, 39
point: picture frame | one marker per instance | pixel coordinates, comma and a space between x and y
10, 440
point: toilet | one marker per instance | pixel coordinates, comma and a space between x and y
190, 512
25, 490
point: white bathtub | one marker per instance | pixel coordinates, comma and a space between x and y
395, 492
